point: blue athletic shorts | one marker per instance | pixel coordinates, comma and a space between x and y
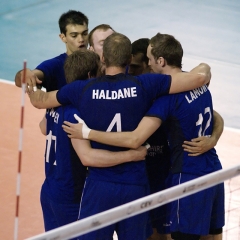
99, 196
199, 212
160, 216
57, 214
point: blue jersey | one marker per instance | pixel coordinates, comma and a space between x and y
115, 103
65, 174
188, 115
158, 159
53, 69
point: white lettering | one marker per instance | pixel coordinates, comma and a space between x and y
127, 92
189, 101
111, 95
194, 94
114, 95
95, 94
120, 94
101, 95
107, 95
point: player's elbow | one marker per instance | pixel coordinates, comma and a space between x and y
37, 105
134, 143
86, 160
205, 79
17, 83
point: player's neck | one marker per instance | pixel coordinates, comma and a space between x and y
114, 70
171, 70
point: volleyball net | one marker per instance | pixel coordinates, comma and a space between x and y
152, 201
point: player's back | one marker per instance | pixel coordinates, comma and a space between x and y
65, 174
188, 115
118, 103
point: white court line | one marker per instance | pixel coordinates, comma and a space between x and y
232, 129
7, 81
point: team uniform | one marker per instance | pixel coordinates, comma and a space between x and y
62, 188
115, 103
65, 175
54, 76
158, 167
189, 115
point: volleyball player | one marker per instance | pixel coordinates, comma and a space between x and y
50, 73
158, 157
64, 173
96, 39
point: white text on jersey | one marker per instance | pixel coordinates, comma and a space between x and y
53, 114
195, 93
111, 95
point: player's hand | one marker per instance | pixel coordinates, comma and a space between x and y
76, 130
198, 146
31, 80
139, 153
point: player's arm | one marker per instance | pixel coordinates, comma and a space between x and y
134, 139
202, 144
43, 126
32, 78
43, 100
185, 81
103, 158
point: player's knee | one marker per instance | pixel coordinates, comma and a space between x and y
184, 236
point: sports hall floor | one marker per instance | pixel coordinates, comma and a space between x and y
208, 31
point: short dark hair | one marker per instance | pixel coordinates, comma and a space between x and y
117, 50
168, 47
103, 27
79, 64
140, 46
71, 17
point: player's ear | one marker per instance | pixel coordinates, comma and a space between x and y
63, 37
91, 48
89, 75
161, 61
102, 59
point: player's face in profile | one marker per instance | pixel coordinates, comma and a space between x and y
137, 65
76, 37
153, 65
98, 38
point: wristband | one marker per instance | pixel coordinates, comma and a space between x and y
147, 146
85, 131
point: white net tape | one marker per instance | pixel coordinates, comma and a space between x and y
138, 206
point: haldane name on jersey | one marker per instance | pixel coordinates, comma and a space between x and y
117, 94
195, 93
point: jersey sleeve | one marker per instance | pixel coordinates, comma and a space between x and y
161, 108
71, 93
47, 67
54, 77
156, 84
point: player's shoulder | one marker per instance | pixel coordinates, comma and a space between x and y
148, 77
58, 59
68, 113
